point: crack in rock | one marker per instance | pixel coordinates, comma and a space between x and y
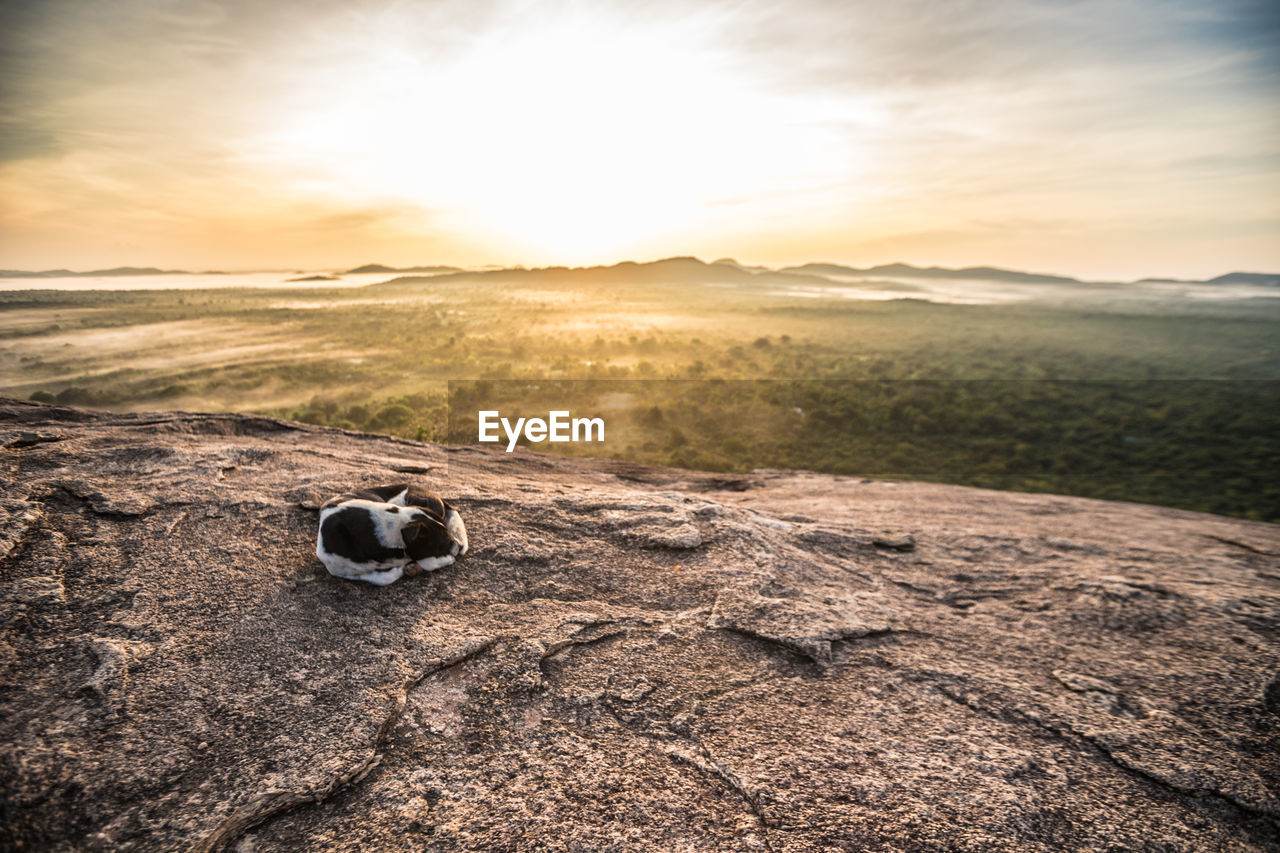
17, 517
1160, 748
121, 503
702, 760
1102, 694
271, 804
895, 543
21, 440
802, 625
1245, 545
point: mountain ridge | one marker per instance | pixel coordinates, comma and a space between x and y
722, 269
907, 270
380, 268
106, 273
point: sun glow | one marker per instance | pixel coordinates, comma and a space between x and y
576, 138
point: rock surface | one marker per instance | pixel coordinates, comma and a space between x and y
630, 659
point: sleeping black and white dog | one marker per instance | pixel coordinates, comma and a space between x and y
379, 534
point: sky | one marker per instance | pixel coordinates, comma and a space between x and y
1108, 139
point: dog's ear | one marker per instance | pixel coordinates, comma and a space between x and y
425, 537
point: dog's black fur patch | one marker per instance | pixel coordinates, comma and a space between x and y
350, 532
413, 497
427, 538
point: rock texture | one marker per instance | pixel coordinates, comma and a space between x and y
630, 659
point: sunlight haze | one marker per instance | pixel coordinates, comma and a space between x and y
1096, 139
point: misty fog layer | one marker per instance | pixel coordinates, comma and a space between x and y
859, 377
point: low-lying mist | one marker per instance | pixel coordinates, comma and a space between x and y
380, 358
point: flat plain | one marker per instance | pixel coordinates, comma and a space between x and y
1163, 393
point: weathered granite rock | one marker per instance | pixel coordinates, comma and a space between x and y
630, 659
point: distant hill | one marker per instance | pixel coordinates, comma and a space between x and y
730, 262
1247, 278
1258, 278
31, 274
683, 270
379, 268
907, 270
115, 271
315, 278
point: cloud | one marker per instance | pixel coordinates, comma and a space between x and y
914, 115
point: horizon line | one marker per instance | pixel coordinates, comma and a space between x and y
124, 270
